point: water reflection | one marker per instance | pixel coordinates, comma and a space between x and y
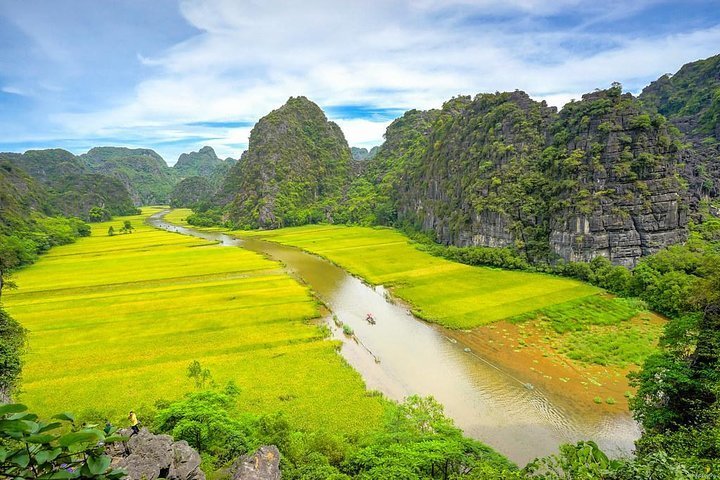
401, 355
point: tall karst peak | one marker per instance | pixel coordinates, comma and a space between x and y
295, 171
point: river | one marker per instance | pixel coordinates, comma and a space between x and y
401, 355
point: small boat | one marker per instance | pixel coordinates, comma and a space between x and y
370, 319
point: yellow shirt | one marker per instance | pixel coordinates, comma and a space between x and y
133, 419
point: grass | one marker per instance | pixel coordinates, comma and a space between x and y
577, 315
115, 321
598, 330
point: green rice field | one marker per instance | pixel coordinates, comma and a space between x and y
449, 293
586, 324
114, 322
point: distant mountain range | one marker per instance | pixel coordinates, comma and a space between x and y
609, 175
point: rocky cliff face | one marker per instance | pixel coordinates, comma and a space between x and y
478, 182
264, 464
620, 195
690, 99
294, 172
597, 179
147, 456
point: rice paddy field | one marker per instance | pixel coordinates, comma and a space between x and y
543, 320
445, 292
114, 322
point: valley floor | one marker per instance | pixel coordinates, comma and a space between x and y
114, 322
568, 336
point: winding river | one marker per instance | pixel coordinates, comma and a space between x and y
401, 355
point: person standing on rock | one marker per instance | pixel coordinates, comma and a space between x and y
134, 423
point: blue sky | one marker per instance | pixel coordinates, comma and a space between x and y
175, 75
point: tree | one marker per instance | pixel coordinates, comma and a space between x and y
98, 214
111, 231
12, 346
202, 419
127, 226
32, 449
200, 375
679, 387
582, 461
419, 441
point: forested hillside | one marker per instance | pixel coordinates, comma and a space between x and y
68, 187
142, 171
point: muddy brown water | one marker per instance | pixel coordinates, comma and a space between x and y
401, 356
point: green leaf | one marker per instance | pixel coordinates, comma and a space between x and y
98, 465
49, 426
12, 408
23, 416
53, 454
39, 438
58, 475
68, 417
79, 437
21, 458
42, 457
23, 426
116, 438
3, 454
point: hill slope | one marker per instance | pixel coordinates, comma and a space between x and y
143, 172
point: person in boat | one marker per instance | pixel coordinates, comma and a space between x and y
370, 318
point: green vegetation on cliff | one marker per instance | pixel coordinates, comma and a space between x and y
191, 192
203, 163
502, 170
295, 171
690, 99
67, 186
143, 172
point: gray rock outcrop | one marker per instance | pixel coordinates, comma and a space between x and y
148, 456
262, 465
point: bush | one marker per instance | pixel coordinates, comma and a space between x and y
32, 449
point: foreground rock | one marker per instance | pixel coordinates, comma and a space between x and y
148, 456
263, 465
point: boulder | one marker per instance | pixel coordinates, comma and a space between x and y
264, 464
148, 456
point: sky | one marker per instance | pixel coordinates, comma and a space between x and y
175, 75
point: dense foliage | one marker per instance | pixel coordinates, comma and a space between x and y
417, 441
33, 449
143, 172
191, 192
12, 346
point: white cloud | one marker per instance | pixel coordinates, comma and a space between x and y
13, 90
252, 55
360, 132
